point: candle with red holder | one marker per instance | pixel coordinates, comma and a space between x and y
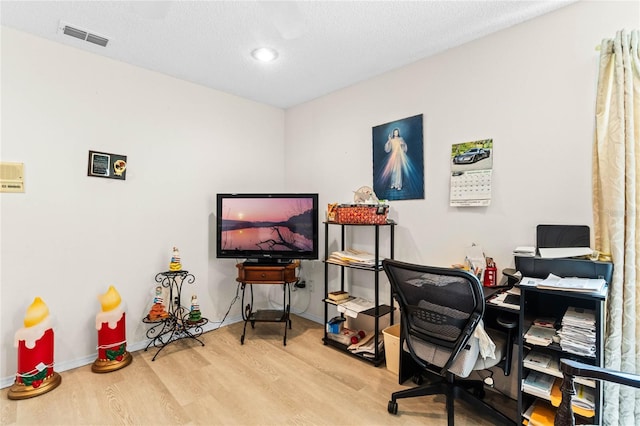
112, 341
34, 341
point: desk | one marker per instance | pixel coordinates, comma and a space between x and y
503, 318
255, 273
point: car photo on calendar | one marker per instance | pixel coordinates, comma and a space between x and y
476, 155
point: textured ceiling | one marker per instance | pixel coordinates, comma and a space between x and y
324, 45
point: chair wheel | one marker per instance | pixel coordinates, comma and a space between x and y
392, 407
418, 379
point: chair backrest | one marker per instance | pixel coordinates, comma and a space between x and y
440, 306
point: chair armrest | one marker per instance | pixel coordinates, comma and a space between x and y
571, 369
580, 369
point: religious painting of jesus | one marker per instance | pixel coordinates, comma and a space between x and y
398, 160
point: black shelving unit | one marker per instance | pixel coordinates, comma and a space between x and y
177, 324
378, 310
536, 303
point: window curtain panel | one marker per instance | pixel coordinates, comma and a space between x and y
616, 197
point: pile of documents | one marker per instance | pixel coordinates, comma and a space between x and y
540, 413
560, 252
538, 384
366, 347
524, 251
508, 299
352, 257
540, 335
578, 332
583, 402
583, 285
352, 307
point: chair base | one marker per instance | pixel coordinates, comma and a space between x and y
469, 391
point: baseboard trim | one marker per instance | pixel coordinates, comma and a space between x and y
131, 347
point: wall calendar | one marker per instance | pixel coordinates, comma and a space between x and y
471, 169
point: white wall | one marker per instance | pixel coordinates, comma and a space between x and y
530, 88
70, 236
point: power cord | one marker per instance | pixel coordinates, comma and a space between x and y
233, 301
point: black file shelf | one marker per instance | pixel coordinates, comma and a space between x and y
544, 303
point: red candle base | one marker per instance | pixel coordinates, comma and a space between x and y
107, 366
22, 391
112, 348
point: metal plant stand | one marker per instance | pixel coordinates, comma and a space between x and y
176, 325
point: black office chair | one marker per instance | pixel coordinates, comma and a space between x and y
571, 369
440, 309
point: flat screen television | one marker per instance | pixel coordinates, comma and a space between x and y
267, 228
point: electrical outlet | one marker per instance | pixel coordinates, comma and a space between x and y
310, 285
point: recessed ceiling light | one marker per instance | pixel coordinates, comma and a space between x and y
265, 54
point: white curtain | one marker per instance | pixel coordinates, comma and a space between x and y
616, 198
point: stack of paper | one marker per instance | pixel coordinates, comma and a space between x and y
352, 307
366, 347
578, 332
560, 252
583, 285
541, 336
540, 413
538, 384
539, 360
583, 402
352, 257
550, 364
508, 299
524, 251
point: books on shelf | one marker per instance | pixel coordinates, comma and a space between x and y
337, 296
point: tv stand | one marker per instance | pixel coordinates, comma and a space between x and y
250, 273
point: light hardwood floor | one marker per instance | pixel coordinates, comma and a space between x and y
225, 383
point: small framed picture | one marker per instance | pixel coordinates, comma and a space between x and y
106, 165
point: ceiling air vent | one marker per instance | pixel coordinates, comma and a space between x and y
82, 34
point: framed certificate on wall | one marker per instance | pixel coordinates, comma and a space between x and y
106, 165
